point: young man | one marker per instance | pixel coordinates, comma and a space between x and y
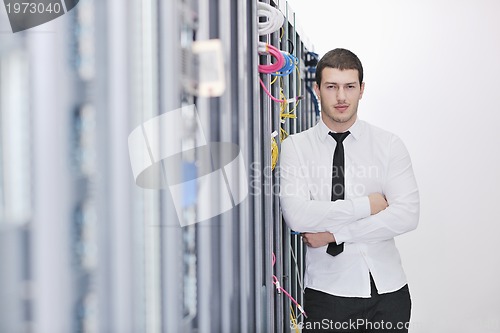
349, 188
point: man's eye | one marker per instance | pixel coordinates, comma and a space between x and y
351, 87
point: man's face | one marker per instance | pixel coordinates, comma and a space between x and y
339, 94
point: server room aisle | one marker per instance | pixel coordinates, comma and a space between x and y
139, 145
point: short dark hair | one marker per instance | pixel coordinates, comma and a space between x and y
341, 59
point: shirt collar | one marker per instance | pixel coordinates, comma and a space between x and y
356, 129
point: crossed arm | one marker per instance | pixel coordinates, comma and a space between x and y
318, 239
370, 218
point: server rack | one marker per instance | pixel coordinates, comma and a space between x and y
85, 248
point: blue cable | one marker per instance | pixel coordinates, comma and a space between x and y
290, 62
315, 99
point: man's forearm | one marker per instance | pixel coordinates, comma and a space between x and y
397, 219
318, 216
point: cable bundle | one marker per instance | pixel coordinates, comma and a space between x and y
281, 67
274, 150
290, 62
275, 53
274, 17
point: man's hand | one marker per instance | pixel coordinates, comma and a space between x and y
318, 239
377, 203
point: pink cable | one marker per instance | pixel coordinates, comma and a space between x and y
291, 298
277, 284
272, 68
269, 94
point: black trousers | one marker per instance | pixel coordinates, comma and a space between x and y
379, 314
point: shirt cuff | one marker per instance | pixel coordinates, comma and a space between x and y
361, 207
361, 210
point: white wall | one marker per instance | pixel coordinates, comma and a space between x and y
432, 73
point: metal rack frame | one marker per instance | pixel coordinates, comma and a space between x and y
103, 255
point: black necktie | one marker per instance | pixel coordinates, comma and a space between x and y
338, 185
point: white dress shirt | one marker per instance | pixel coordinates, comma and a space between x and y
375, 161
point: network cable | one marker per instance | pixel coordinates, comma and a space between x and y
280, 289
290, 62
265, 48
315, 99
275, 19
289, 100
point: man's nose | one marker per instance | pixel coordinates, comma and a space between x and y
340, 94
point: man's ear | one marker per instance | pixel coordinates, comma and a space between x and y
316, 90
362, 90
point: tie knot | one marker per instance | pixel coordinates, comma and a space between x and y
339, 137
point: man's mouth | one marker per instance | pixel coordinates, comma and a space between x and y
341, 107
